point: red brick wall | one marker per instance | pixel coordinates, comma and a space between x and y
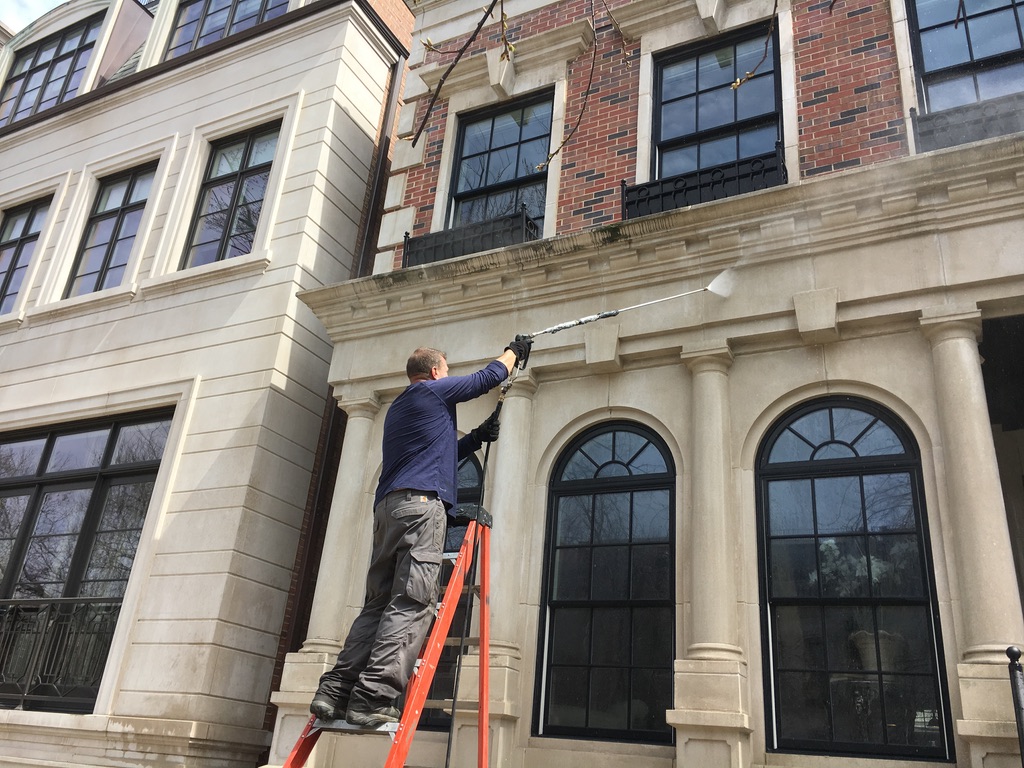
847, 85
848, 100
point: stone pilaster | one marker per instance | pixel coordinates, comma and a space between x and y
711, 708
988, 603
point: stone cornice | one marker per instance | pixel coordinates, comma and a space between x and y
555, 46
851, 212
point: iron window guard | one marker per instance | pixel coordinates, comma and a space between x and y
52, 652
968, 123
469, 238
704, 185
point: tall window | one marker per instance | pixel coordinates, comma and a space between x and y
849, 611
607, 620
501, 165
110, 234
201, 22
230, 201
703, 123
970, 52
48, 72
19, 234
72, 505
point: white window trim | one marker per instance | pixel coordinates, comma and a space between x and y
182, 203
58, 187
77, 217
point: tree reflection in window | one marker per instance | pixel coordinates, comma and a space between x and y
72, 506
850, 611
608, 609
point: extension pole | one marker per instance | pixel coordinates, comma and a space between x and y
609, 313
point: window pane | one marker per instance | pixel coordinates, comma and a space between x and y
651, 697
611, 518
610, 645
141, 442
716, 108
679, 79
718, 152
904, 624
951, 93
755, 97
676, 162
944, 47
572, 572
610, 579
477, 138
879, 440
679, 118
76, 451
609, 698
889, 502
536, 121
21, 457
501, 204
849, 423
755, 53
532, 154
799, 642
228, 159
793, 568
501, 165
579, 467
567, 697
813, 427
843, 567
1001, 81
805, 715
837, 504
651, 516
471, 173
896, 569
845, 628
12, 515
574, 520
48, 557
760, 141
856, 710
263, 149
931, 12
716, 68
994, 33
506, 129
789, 505
652, 637
570, 635
652, 572
913, 711
111, 195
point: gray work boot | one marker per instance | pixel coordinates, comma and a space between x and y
326, 708
361, 712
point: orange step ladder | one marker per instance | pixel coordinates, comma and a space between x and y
478, 536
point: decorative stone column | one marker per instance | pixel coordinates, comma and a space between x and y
340, 584
711, 713
505, 494
975, 526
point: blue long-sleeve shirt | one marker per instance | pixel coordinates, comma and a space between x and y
420, 448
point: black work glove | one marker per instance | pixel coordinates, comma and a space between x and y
487, 432
521, 349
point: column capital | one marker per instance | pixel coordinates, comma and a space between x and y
525, 385
715, 356
949, 322
361, 407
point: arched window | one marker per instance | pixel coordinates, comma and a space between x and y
607, 619
849, 610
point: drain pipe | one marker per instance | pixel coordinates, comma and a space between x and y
378, 180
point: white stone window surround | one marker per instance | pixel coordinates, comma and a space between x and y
163, 26
539, 62
905, 60
76, 220
58, 187
662, 27
62, 17
166, 272
181, 395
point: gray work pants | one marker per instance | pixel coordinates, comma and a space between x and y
401, 591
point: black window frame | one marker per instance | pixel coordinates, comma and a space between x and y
456, 198
192, 40
961, 19
119, 216
27, 64
908, 463
662, 481
761, 33
25, 241
239, 176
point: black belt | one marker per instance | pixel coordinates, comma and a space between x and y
412, 495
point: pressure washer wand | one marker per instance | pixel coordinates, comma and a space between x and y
603, 315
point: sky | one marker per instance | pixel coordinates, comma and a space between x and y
18, 14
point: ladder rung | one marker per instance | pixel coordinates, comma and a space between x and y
387, 729
452, 642
446, 704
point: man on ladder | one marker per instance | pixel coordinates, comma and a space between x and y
417, 488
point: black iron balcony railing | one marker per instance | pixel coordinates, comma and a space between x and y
705, 185
469, 238
973, 122
52, 652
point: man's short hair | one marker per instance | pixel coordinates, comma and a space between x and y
422, 360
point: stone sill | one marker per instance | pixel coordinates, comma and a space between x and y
255, 263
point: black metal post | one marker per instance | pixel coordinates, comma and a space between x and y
1017, 688
622, 187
